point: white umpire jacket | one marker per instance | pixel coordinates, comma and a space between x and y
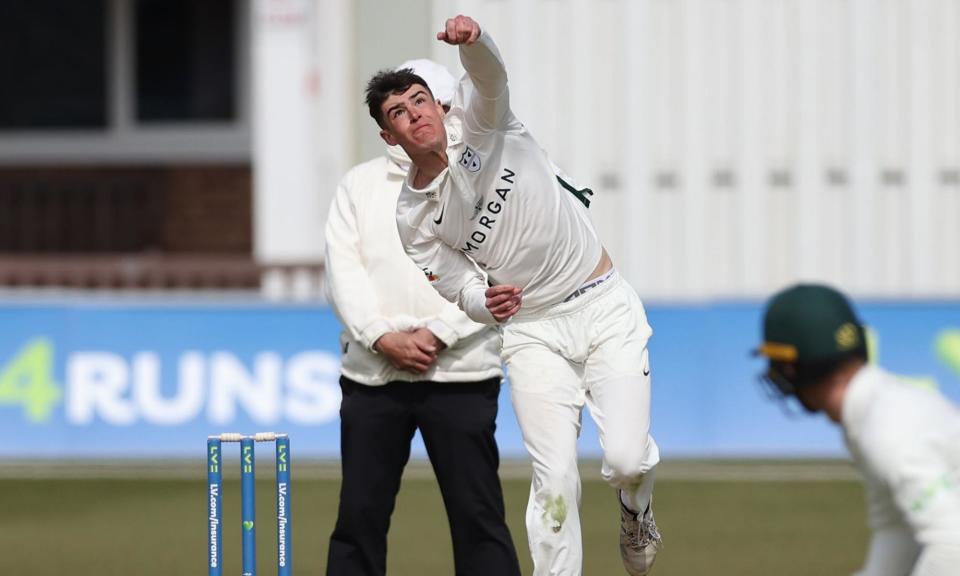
374, 288
906, 442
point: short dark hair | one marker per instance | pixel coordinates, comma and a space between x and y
387, 82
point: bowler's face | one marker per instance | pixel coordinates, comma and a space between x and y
414, 121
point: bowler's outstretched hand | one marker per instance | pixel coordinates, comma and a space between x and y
459, 30
503, 301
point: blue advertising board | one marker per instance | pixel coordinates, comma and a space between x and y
94, 379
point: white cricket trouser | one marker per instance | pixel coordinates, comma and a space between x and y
593, 350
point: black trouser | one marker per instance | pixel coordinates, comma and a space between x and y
456, 421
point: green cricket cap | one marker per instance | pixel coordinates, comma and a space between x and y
810, 323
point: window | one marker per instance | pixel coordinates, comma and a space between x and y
185, 67
124, 80
54, 65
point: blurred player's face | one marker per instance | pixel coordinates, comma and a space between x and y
414, 121
814, 397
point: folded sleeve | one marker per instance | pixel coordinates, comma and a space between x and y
452, 325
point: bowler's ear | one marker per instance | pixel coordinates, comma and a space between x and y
388, 137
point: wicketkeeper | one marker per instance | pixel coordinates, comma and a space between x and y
904, 439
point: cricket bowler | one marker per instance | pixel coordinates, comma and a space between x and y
498, 229
411, 361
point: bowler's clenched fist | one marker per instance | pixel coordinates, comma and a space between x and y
460, 30
503, 301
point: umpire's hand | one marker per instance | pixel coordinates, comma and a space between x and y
460, 30
406, 352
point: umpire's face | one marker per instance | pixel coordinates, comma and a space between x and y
414, 121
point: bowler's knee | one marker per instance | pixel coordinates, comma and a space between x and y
628, 462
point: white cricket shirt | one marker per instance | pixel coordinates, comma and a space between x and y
500, 204
905, 440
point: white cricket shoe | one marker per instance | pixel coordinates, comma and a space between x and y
639, 540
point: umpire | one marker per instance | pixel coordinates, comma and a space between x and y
411, 360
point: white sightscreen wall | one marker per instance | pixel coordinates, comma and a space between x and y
738, 145
302, 133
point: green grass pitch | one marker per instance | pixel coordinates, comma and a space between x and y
155, 525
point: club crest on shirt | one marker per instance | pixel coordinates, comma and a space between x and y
470, 160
